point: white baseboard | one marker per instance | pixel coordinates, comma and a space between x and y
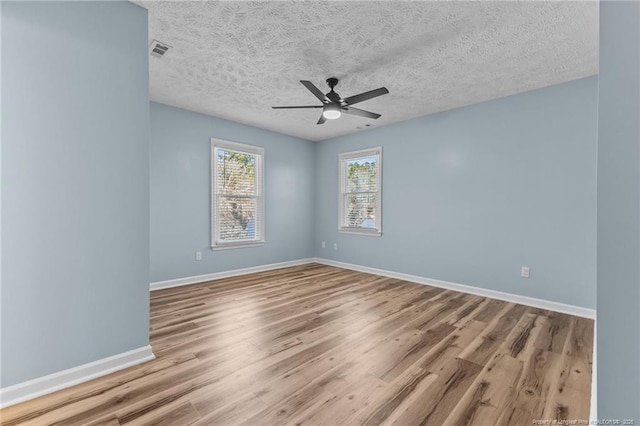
158, 285
493, 294
63, 379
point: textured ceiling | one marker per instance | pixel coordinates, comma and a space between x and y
237, 59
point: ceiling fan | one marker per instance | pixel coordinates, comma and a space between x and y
333, 105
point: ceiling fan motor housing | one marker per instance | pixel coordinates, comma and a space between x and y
332, 82
333, 96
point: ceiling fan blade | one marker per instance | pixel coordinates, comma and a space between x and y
322, 119
366, 96
313, 89
360, 112
302, 106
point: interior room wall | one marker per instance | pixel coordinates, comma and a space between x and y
472, 194
181, 203
619, 212
75, 194
0, 190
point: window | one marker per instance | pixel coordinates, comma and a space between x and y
360, 204
237, 201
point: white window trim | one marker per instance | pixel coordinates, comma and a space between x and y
342, 159
245, 149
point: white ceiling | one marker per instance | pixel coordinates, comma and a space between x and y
237, 59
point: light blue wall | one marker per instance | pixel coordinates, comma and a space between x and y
180, 195
619, 212
473, 194
0, 193
75, 176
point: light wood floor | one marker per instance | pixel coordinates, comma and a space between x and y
320, 345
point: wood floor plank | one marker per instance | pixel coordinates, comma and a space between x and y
319, 345
421, 342
482, 348
434, 405
109, 420
470, 313
552, 338
340, 407
451, 347
390, 413
571, 394
523, 337
532, 390
169, 415
490, 311
382, 406
492, 391
234, 413
291, 410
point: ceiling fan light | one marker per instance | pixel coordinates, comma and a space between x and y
331, 112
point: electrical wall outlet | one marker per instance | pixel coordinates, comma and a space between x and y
198, 255
524, 272
335, 246
324, 244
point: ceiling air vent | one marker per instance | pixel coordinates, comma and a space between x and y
159, 49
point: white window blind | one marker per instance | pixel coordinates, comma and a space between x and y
360, 203
237, 211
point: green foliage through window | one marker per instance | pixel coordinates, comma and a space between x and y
237, 195
360, 192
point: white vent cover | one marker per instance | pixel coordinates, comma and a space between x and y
159, 49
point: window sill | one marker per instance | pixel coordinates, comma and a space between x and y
235, 245
360, 231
